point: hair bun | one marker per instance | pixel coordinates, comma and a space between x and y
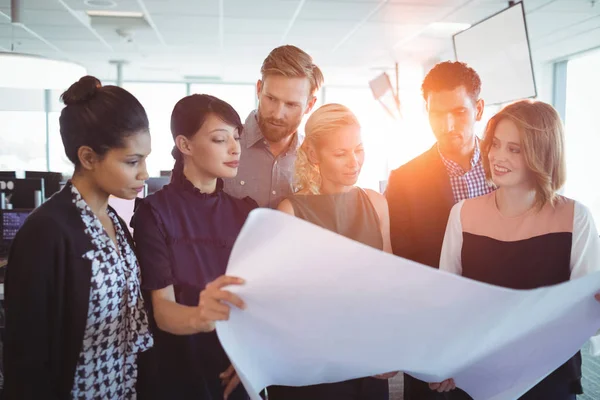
175, 152
81, 91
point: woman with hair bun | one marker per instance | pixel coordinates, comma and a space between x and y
327, 168
75, 318
184, 235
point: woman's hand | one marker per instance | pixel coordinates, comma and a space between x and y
230, 380
212, 305
444, 386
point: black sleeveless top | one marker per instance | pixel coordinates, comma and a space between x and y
525, 252
350, 214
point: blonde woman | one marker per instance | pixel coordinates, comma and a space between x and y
524, 235
326, 170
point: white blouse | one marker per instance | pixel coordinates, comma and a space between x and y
585, 248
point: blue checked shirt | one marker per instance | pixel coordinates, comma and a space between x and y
469, 184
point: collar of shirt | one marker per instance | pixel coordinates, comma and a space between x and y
253, 135
456, 170
93, 226
252, 132
179, 180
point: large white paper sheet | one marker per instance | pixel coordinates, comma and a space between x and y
322, 308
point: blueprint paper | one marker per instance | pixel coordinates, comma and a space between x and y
322, 308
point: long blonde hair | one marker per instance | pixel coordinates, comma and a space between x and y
325, 120
542, 140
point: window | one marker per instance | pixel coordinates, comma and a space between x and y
23, 138
241, 97
376, 127
58, 160
159, 99
581, 131
388, 143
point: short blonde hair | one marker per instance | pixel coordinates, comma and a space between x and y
325, 120
291, 62
542, 143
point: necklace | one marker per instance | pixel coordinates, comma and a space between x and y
515, 216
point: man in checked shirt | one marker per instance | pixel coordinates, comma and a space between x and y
421, 192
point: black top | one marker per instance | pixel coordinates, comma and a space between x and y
184, 238
528, 251
350, 214
420, 197
47, 299
525, 264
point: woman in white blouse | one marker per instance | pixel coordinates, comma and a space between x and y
524, 235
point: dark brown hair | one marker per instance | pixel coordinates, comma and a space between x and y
100, 117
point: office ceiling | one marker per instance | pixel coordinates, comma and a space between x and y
228, 39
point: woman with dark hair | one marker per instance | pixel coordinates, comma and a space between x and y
184, 234
75, 319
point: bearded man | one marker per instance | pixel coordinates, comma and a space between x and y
286, 93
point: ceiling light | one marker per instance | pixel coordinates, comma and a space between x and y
115, 14
27, 71
448, 27
202, 78
101, 3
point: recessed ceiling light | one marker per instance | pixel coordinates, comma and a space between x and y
100, 3
117, 14
448, 27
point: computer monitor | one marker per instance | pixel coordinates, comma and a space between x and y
498, 49
10, 222
155, 184
22, 193
52, 181
7, 174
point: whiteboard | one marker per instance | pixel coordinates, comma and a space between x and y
498, 49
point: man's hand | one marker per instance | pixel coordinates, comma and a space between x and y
387, 375
444, 386
230, 380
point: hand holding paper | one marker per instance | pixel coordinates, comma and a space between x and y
211, 303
